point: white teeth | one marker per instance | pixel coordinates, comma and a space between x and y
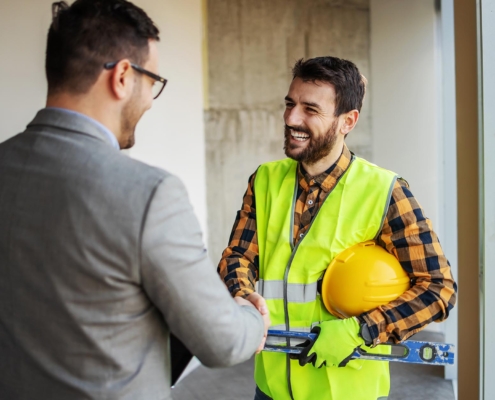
299, 136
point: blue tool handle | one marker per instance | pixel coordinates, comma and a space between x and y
287, 349
409, 351
293, 335
412, 351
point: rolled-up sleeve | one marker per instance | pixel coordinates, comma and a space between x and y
407, 233
239, 265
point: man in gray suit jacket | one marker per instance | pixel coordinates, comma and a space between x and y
101, 256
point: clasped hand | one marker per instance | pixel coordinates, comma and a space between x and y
257, 301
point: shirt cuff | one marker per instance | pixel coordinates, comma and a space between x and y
376, 326
244, 292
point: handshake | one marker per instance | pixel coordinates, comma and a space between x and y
257, 301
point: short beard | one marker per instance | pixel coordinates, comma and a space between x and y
130, 118
317, 148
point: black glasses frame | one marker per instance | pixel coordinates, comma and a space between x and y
158, 78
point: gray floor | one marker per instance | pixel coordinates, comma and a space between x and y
409, 381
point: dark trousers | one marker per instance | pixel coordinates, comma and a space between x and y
260, 395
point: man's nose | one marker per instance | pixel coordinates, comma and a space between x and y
293, 117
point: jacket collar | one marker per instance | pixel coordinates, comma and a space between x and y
74, 122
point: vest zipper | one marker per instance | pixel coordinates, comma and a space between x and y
294, 249
286, 278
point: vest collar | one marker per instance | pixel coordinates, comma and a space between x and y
328, 179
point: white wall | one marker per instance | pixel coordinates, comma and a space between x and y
448, 203
171, 134
487, 84
405, 98
23, 28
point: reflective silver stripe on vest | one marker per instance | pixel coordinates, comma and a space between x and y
296, 292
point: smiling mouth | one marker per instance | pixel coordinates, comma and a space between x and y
299, 136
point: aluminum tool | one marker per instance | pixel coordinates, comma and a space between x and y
408, 351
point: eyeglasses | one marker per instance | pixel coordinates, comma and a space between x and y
158, 85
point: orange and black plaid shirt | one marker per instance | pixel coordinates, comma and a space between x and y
406, 233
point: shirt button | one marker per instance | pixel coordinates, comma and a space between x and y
301, 235
312, 182
310, 202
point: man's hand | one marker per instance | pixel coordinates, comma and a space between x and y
336, 341
257, 301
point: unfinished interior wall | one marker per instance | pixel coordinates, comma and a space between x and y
252, 45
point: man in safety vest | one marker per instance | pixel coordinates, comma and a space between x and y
299, 213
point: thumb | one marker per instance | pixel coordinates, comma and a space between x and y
259, 302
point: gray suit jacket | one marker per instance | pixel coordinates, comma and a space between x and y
101, 257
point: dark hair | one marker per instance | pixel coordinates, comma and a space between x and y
349, 84
88, 34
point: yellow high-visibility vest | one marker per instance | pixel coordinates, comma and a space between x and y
352, 213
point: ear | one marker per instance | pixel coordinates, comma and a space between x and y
122, 79
350, 120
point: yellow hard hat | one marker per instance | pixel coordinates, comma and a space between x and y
361, 278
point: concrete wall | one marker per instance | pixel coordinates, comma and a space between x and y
171, 134
252, 46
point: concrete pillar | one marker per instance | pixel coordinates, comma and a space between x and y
406, 96
252, 46
468, 199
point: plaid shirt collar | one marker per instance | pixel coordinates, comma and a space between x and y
328, 179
